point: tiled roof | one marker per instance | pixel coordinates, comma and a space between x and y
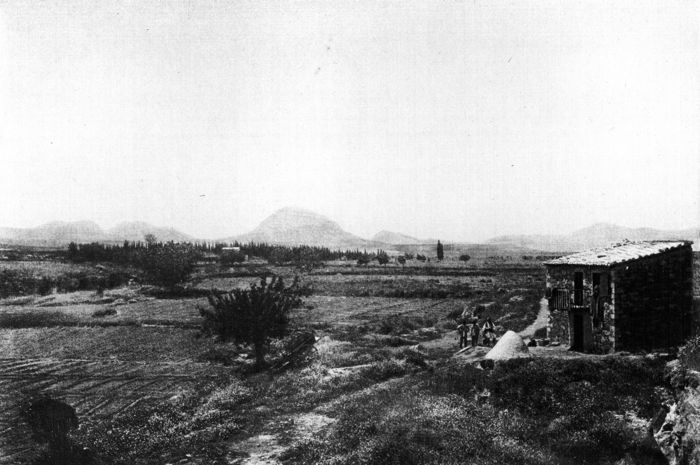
619, 253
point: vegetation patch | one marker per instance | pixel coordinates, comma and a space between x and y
40, 319
526, 411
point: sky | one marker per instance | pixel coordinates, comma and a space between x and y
444, 119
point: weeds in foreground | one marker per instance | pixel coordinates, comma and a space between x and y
533, 412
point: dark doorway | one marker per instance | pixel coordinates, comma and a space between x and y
578, 288
578, 333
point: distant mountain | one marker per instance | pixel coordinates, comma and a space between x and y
137, 230
296, 226
597, 235
60, 233
54, 234
394, 238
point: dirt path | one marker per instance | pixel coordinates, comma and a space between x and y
539, 323
265, 448
281, 432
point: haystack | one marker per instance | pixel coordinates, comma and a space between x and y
511, 345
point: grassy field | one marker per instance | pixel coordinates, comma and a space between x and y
382, 386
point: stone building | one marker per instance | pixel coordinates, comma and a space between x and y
632, 296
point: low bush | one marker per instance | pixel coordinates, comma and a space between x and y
37, 319
400, 324
104, 312
689, 354
406, 287
455, 378
15, 282
549, 386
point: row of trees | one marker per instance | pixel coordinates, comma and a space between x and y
163, 264
125, 253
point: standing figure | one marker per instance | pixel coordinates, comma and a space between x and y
463, 330
474, 332
489, 331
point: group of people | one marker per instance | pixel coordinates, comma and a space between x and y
470, 329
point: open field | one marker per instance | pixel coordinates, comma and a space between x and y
382, 386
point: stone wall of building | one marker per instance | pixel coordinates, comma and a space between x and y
598, 337
696, 274
653, 301
558, 327
604, 332
558, 324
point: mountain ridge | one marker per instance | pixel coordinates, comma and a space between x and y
395, 238
298, 226
594, 236
61, 233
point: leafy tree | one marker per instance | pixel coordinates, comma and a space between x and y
465, 257
402, 260
231, 257
409, 256
382, 257
72, 251
168, 264
420, 258
253, 316
362, 260
150, 239
440, 252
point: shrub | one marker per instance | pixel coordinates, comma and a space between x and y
558, 387
38, 319
397, 325
464, 257
252, 316
104, 312
397, 341
689, 354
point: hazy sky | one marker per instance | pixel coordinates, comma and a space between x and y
450, 119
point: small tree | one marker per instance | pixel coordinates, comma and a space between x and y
252, 316
402, 260
440, 252
465, 257
150, 239
420, 258
72, 251
382, 258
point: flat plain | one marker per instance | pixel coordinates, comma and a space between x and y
382, 384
